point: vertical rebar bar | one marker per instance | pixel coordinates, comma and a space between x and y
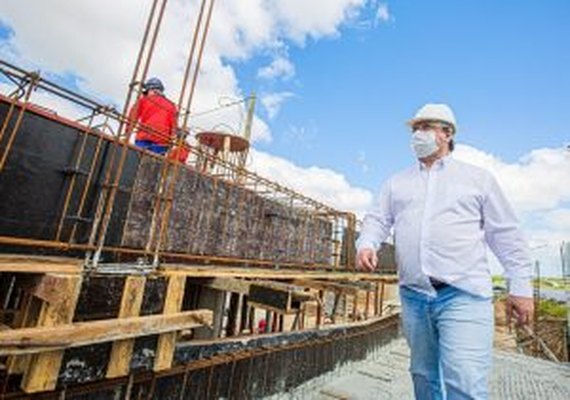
76, 166
34, 77
109, 198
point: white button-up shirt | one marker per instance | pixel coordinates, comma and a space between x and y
443, 219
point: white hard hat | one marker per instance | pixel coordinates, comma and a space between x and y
435, 112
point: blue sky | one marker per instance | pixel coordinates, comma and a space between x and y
503, 66
344, 76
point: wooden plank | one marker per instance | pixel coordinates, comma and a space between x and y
326, 285
39, 264
355, 307
346, 287
334, 311
345, 309
377, 299
42, 339
233, 285
275, 299
122, 350
381, 305
44, 368
172, 304
222, 271
48, 287
25, 317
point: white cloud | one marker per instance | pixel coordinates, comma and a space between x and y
559, 219
537, 181
383, 13
301, 19
537, 186
97, 41
273, 102
328, 186
280, 67
50, 103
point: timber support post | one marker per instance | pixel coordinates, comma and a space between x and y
43, 369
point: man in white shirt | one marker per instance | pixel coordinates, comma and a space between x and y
444, 213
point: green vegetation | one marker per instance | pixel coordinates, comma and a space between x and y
551, 308
546, 283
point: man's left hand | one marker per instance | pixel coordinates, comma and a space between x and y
520, 307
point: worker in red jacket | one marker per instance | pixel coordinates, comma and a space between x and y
156, 116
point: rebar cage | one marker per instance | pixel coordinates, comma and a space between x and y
80, 187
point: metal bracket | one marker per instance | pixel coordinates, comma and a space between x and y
141, 267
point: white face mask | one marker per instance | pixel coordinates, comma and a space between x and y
424, 143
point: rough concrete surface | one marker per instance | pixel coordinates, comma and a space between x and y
384, 375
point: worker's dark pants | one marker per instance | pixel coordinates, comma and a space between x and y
451, 339
152, 146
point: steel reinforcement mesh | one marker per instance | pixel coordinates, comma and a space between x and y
247, 369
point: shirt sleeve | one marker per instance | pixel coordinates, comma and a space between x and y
377, 222
506, 240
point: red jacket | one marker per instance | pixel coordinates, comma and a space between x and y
157, 117
180, 153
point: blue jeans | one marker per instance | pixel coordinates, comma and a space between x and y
151, 146
451, 341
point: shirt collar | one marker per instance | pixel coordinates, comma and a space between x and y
438, 164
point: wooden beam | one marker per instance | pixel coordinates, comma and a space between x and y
233, 285
324, 285
122, 350
381, 298
334, 311
172, 304
376, 299
42, 339
39, 264
26, 316
355, 307
43, 369
267, 273
345, 308
48, 287
348, 288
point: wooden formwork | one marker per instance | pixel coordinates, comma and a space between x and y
57, 319
62, 325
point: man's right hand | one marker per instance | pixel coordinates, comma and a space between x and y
366, 259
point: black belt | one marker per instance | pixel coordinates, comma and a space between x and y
437, 285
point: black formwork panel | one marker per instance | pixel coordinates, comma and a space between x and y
212, 217
184, 212
34, 180
142, 204
41, 165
